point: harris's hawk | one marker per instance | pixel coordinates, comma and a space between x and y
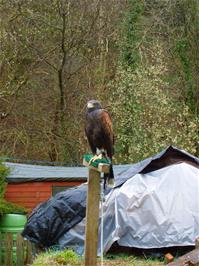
99, 132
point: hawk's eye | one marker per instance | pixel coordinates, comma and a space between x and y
90, 105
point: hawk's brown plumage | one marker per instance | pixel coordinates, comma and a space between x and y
99, 131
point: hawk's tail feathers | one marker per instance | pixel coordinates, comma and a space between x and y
109, 178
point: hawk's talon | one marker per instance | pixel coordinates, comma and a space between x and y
100, 156
95, 158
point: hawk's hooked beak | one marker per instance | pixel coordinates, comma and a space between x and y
90, 105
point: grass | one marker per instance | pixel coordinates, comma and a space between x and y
69, 258
130, 260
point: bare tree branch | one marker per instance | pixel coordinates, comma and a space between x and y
4, 115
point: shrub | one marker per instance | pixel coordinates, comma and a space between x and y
4, 171
7, 207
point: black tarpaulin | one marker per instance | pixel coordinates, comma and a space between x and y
53, 218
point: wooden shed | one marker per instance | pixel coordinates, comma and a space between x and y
29, 185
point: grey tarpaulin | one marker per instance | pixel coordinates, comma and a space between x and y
169, 156
153, 210
155, 204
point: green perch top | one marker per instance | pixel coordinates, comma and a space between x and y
96, 162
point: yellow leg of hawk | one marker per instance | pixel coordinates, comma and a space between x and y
95, 157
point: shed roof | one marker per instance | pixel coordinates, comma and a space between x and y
27, 172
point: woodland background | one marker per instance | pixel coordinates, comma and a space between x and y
139, 57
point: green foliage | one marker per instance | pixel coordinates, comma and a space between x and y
182, 50
7, 207
4, 171
66, 257
155, 93
147, 117
186, 49
155, 97
132, 34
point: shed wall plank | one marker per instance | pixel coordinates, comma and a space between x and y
30, 194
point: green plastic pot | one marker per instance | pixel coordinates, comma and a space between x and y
14, 224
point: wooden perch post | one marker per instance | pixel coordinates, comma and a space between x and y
189, 259
92, 211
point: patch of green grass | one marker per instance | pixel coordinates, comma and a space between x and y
69, 258
66, 258
129, 260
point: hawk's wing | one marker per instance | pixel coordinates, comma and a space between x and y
108, 133
99, 131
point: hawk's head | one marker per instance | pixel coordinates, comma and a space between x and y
93, 105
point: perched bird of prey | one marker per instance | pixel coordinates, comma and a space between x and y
99, 132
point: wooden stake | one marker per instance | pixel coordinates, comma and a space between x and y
9, 251
92, 217
197, 242
92, 213
102, 167
19, 250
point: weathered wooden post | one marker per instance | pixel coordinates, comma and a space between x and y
189, 259
92, 209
